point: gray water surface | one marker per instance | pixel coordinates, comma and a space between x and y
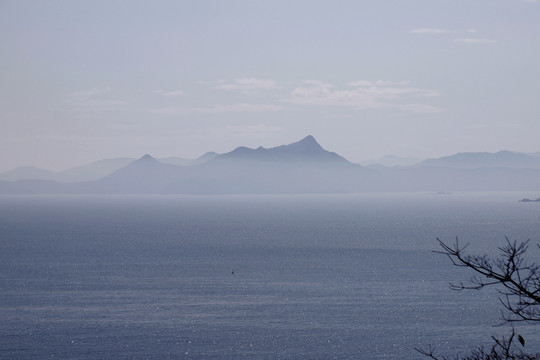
254, 277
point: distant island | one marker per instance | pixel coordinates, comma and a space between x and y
302, 167
529, 200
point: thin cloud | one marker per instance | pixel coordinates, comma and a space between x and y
218, 109
530, 1
97, 99
391, 83
257, 129
360, 83
91, 92
318, 83
418, 108
170, 93
430, 31
364, 95
367, 83
474, 41
439, 31
246, 84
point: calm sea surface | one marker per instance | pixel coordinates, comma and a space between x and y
249, 277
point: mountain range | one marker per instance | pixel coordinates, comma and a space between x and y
501, 159
93, 171
300, 167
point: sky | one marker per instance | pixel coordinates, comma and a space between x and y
86, 80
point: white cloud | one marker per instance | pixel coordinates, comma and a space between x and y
367, 83
474, 41
91, 92
418, 108
246, 84
360, 83
257, 129
97, 99
218, 109
429, 31
318, 83
391, 83
364, 95
170, 93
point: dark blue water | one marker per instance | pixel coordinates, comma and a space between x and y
255, 277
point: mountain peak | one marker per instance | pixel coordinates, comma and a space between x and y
307, 144
146, 158
306, 150
309, 140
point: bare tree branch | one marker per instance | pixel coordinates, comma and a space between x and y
502, 349
518, 282
519, 279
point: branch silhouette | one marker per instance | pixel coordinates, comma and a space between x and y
518, 283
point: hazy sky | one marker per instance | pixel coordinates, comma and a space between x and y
86, 80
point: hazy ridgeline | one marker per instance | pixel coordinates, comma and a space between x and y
302, 167
258, 277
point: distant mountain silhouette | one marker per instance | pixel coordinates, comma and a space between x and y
27, 173
144, 175
392, 160
306, 150
92, 171
187, 162
502, 159
300, 167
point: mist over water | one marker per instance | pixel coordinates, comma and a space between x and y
257, 277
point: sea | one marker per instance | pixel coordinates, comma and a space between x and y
352, 276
